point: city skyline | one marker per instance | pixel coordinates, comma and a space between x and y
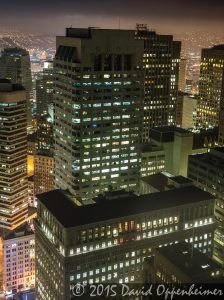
171, 16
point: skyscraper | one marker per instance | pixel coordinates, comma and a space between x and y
13, 155
182, 74
15, 65
211, 86
161, 59
43, 172
44, 90
99, 84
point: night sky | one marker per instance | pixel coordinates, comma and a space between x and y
52, 16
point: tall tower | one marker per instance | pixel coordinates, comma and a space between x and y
182, 74
211, 86
44, 90
161, 63
99, 85
13, 155
15, 65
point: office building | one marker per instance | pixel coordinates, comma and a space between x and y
169, 148
31, 195
43, 172
17, 250
189, 113
13, 155
221, 126
153, 159
161, 63
211, 86
45, 89
182, 74
99, 85
44, 133
80, 244
207, 170
189, 86
177, 145
15, 65
180, 263
205, 139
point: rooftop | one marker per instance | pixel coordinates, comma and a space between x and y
161, 181
22, 230
181, 179
166, 133
218, 47
195, 265
6, 86
214, 158
157, 181
71, 215
14, 52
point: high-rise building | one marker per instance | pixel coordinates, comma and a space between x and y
43, 172
108, 242
189, 116
15, 65
13, 155
99, 89
44, 133
182, 74
161, 59
211, 86
44, 90
189, 86
207, 170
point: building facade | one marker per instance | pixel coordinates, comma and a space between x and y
99, 85
13, 155
161, 60
44, 133
43, 172
182, 74
189, 117
80, 244
45, 90
15, 65
211, 86
18, 260
207, 170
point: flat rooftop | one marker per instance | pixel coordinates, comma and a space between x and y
21, 231
166, 133
71, 215
160, 181
218, 47
157, 181
195, 265
6, 86
181, 179
214, 158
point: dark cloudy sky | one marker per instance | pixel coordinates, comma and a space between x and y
52, 16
